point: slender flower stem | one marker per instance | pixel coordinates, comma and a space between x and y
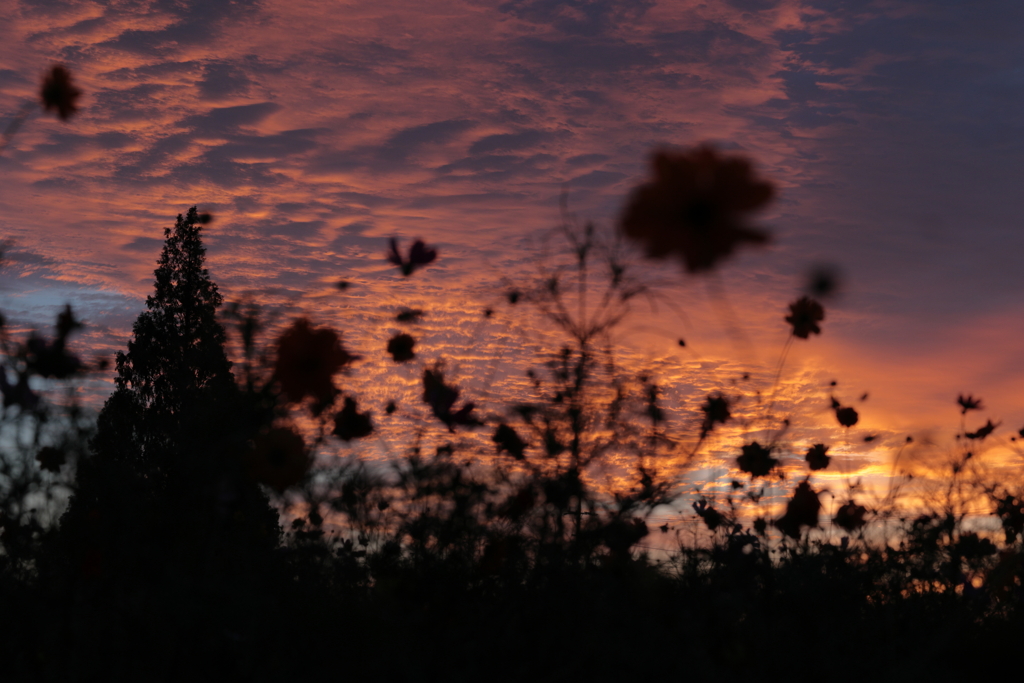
778, 376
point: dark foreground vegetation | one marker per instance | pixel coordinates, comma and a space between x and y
148, 546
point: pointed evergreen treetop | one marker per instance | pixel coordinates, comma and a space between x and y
164, 484
177, 347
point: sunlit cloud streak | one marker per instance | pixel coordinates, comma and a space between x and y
315, 131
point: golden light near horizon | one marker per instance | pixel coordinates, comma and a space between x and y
465, 127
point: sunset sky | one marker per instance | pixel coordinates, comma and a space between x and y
314, 130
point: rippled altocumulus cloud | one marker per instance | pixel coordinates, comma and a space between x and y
313, 131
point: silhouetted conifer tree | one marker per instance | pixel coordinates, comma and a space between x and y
166, 480
175, 359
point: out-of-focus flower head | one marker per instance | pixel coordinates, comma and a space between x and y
307, 360
409, 315
846, 416
712, 517
49, 359
801, 510
419, 255
756, 460
400, 347
823, 282
850, 517
817, 456
509, 441
67, 323
983, 431
279, 459
51, 459
804, 316
441, 398
59, 93
968, 402
350, 424
716, 410
695, 208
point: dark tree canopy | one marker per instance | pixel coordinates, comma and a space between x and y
166, 482
175, 361
178, 346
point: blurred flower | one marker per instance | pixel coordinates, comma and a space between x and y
968, 403
804, 316
847, 416
51, 459
984, 431
509, 441
350, 424
801, 510
822, 282
419, 255
51, 359
695, 207
48, 359
409, 315
712, 517
716, 410
58, 92
441, 398
756, 460
400, 347
279, 459
307, 360
850, 517
67, 323
817, 457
